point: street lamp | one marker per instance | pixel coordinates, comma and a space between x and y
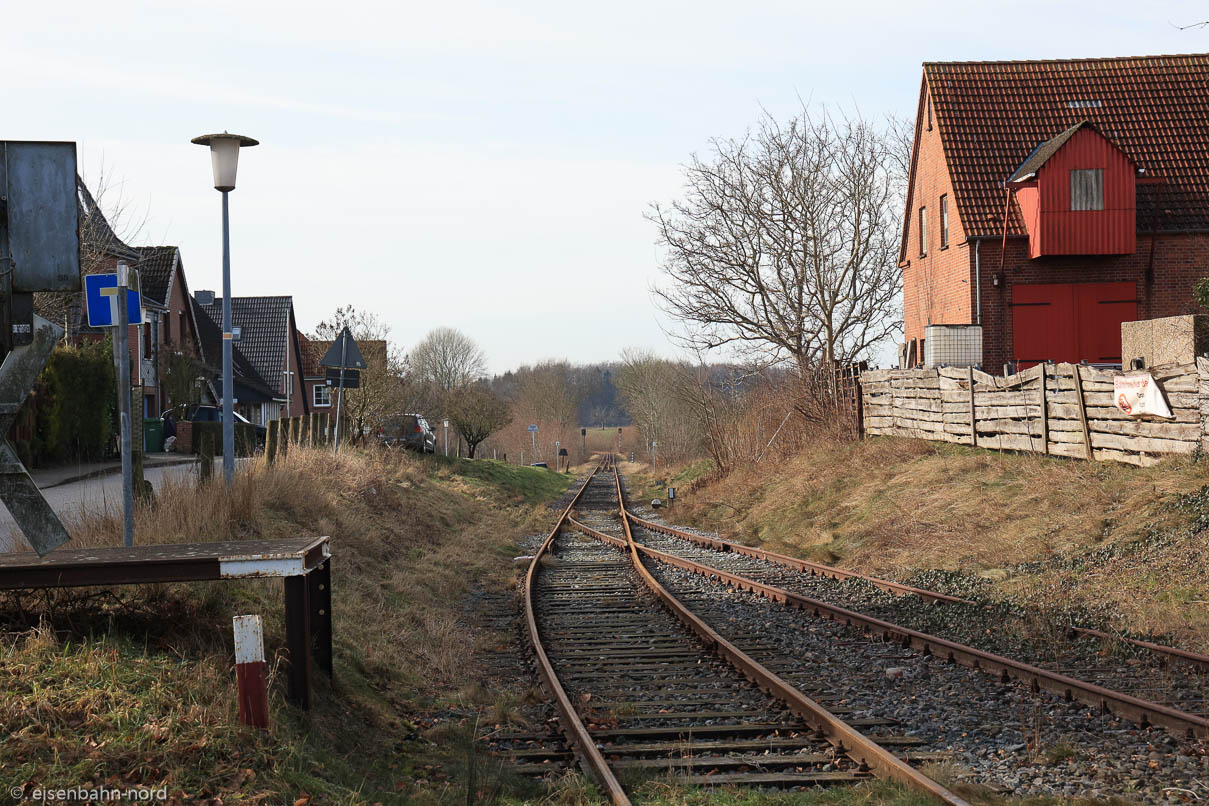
224, 158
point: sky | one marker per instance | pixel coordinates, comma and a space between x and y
478, 165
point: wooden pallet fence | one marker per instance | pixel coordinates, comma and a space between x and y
1058, 409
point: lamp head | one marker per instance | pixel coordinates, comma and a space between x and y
224, 156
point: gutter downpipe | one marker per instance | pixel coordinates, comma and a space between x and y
977, 284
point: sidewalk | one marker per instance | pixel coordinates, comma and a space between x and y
46, 478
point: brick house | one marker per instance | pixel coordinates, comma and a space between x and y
1049, 201
170, 327
314, 379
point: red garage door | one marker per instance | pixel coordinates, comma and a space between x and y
1070, 321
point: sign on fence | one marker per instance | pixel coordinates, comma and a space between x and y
1138, 395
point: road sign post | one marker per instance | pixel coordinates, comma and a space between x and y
654, 456
558, 456
533, 437
446, 439
344, 355
121, 355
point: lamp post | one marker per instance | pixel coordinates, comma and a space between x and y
224, 159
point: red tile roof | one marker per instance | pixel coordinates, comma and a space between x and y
992, 115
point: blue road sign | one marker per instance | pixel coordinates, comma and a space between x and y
101, 298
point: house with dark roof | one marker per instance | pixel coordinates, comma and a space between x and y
170, 341
170, 328
266, 354
1050, 201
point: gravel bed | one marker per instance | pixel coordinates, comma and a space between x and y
1001, 627
991, 727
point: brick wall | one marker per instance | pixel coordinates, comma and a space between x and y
936, 286
939, 287
1179, 261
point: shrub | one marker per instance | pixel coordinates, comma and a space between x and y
76, 395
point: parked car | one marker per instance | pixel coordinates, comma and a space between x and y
410, 431
198, 413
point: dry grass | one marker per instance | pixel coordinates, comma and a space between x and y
137, 684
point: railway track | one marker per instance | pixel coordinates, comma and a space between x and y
1149, 683
642, 684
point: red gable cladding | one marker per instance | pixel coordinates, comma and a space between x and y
991, 115
1045, 203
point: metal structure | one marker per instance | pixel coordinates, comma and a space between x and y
304, 563
39, 251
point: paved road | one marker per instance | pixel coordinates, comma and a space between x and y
91, 496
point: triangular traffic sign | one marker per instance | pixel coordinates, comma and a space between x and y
345, 345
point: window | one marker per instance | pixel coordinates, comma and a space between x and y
944, 221
923, 231
322, 395
1087, 189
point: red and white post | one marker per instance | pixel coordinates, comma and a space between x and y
250, 672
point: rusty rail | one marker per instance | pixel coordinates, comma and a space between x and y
573, 727
1196, 659
840, 734
794, 562
1143, 712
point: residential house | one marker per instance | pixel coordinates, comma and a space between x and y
314, 378
266, 349
1050, 201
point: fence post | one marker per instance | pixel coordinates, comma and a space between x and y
250, 672
973, 413
1044, 413
1082, 410
304, 430
205, 455
270, 441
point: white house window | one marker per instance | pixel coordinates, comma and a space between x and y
323, 395
1087, 189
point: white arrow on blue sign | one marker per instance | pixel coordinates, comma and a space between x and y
101, 299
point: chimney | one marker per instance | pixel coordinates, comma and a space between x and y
204, 298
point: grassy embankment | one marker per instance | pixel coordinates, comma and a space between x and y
1107, 537
135, 687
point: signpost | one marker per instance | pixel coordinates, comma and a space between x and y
344, 355
557, 453
111, 302
654, 456
583, 432
39, 251
533, 437
446, 438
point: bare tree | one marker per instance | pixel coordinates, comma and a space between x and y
477, 413
550, 392
785, 243
445, 360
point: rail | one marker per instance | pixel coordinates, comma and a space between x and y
573, 727
842, 736
1143, 712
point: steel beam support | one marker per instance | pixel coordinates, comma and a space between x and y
39, 523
